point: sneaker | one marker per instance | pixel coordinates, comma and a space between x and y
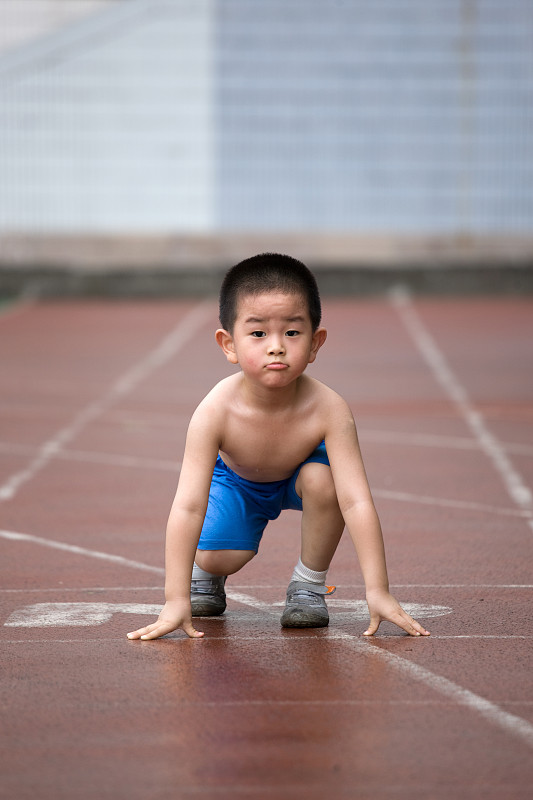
305, 606
208, 598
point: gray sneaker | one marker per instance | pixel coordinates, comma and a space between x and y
208, 598
305, 606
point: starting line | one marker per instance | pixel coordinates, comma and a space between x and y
47, 615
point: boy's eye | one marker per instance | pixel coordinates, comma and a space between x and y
258, 334
292, 333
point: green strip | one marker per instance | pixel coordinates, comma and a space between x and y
8, 303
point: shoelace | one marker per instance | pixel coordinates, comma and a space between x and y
206, 586
305, 595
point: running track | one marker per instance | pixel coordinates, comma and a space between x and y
93, 411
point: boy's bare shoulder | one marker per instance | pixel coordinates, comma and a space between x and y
331, 408
219, 398
325, 396
222, 411
208, 422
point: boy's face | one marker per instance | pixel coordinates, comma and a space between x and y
272, 339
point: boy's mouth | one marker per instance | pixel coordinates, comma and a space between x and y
277, 365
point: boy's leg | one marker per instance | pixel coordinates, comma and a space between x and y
230, 538
322, 521
210, 569
322, 527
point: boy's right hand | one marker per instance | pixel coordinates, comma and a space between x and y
175, 614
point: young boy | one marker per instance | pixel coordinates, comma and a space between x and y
267, 438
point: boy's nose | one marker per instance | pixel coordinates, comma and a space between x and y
275, 347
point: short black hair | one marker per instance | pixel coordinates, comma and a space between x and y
268, 272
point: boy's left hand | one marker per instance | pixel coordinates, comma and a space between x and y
383, 606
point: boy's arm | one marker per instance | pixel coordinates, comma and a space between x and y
362, 521
184, 526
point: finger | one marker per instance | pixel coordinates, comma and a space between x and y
374, 625
191, 632
420, 630
412, 627
156, 630
161, 629
150, 631
138, 633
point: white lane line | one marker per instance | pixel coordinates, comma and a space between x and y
238, 596
405, 497
166, 349
456, 586
517, 726
360, 587
97, 457
357, 610
253, 602
426, 345
436, 440
135, 462
482, 636
84, 614
84, 590
490, 711
457, 694
267, 637
278, 587
81, 551
117, 460
57, 615
379, 437
38, 615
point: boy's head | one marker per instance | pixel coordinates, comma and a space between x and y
268, 272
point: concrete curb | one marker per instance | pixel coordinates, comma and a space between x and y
57, 282
189, 265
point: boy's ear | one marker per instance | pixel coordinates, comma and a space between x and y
319, 337
224, 340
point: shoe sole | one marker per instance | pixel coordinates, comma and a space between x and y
303, 619
199, 609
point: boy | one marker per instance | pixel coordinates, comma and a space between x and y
266, 438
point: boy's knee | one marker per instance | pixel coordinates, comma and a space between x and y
316, 481
223, 562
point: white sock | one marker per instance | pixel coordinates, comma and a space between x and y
303, 573
199, 574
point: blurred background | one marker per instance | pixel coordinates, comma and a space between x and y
146, 145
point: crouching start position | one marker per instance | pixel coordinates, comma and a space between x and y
267, 438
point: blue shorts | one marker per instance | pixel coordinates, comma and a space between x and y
238, 510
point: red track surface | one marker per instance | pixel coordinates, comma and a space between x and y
93, 414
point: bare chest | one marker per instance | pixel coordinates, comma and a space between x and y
267, 447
